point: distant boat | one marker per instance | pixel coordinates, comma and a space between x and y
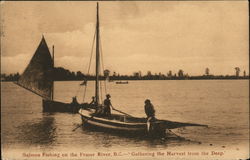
122, 82
123, 123
38, 79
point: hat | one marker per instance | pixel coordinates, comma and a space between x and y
108, 96
147, 101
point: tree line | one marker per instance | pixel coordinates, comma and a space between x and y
62, 74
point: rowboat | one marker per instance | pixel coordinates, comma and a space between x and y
121, 123
122, 82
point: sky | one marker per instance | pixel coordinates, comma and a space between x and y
135, 36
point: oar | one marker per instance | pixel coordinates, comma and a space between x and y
79, 125
121, 112
85, 121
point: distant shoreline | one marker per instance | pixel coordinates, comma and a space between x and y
115, 80
62, 74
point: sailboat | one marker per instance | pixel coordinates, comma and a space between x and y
121, 123
38, 79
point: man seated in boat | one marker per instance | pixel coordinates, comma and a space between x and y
74, 101
93, 101
74, 104
149, 110
92, 104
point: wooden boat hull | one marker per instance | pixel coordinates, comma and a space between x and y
129, 126
55, 106
96, 124
121, 127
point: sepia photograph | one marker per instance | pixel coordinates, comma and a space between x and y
136, 80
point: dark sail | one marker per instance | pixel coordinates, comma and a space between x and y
37, 77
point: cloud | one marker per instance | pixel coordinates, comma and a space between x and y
12, 64
155, 36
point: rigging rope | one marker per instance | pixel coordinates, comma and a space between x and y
105, 87
101, 67
101, 91
92, 48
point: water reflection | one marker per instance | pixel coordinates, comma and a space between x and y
24, 124
112, 140
41, 131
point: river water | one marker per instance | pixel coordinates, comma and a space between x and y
223, 105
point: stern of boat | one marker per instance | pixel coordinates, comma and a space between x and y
55, 106
156, 129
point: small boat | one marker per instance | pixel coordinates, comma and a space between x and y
123, 123
122, 82
38, 79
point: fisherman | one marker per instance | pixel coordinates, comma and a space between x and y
149, 110
74, 101
107, 105
92, 104
93, 101
74, 104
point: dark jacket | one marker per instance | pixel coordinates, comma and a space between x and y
149, 110
107, 104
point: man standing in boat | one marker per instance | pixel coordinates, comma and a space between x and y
107, 105
149, 110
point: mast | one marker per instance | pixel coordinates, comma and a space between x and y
53, 65
97, 57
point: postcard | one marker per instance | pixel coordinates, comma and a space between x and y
124, 80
